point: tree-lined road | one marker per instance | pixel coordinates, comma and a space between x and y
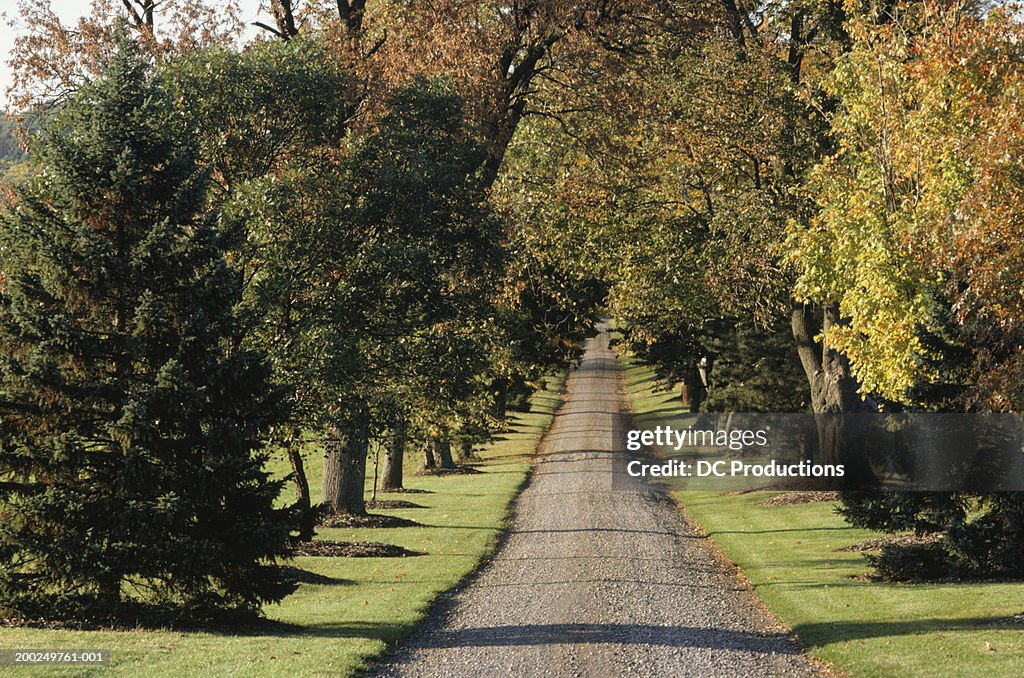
593, 581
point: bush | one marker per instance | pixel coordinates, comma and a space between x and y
918, 562
984, 533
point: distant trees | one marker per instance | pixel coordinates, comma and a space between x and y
10, 148
12, 157
131, 422
676, 180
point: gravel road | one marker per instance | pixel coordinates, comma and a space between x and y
593, 581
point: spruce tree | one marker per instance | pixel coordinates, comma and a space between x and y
131, 470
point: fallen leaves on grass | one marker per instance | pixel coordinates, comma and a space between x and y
792, 498
368, 520
457, 471
392, 504
893, 540
352, 549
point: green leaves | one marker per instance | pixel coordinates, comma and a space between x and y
129, 419
274, 104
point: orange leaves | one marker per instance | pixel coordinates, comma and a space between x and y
52, 56
921, 229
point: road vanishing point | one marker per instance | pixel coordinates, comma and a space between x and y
596, 580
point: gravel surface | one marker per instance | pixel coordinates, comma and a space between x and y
598, 582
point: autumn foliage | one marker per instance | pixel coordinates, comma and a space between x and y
417, 208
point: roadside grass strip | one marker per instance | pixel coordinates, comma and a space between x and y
793, 556
347, 611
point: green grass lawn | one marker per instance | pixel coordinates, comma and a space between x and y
792, 556
358, 605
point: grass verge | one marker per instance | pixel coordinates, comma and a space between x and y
792, 555
350, 609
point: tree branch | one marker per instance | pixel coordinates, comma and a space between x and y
136, 19
265, 27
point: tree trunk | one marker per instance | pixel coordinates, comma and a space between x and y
110, 590
466, 451
833, 388
330, 489
443, 448
833, 395
394, 456
429, 461
501, 399
345, 464
693, 391
353, 470
303, 503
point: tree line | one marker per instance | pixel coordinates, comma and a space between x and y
221, 251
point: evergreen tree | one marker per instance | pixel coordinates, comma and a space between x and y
755, 369
131, 471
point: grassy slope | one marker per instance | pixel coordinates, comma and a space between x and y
790, 554
360, 604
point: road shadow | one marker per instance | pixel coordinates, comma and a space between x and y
617, 634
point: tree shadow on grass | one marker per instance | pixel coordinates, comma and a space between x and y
781, 530
301, 576
670, 410
278, 629
824, 633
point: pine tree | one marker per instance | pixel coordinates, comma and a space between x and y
755, 369
131, 471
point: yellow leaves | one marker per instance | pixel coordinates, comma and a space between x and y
883, 343
918, 194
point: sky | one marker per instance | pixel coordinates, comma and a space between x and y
69, 11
